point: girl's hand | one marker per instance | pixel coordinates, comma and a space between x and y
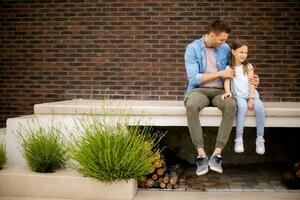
226, 95
250, 104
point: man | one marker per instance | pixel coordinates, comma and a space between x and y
205, 62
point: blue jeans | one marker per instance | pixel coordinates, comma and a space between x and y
242, 107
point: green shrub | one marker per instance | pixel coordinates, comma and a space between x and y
113, 153
44, 149
2, 154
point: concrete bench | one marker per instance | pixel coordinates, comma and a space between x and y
150, 113
168, 113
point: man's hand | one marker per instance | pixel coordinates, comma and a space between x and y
250, 104
226, 95
227, 73
254, 80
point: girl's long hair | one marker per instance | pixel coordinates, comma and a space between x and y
234, 46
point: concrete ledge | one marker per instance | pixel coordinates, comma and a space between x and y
195, 195
65, 183
148, 113
282, 109
168, 113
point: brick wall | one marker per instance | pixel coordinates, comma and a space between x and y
55, 50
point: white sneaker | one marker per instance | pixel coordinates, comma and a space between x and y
239, 145
260, 145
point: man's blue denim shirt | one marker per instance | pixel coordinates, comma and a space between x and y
195, 61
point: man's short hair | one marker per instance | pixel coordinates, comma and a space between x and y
218, 26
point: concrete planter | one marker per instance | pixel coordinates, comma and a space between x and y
64, 183
17, 180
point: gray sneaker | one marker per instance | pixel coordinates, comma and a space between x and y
215, 163
202, 165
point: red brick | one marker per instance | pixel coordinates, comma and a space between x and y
133, 50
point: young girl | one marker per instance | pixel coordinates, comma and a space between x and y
246, 96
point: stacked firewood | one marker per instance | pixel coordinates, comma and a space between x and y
161, 177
